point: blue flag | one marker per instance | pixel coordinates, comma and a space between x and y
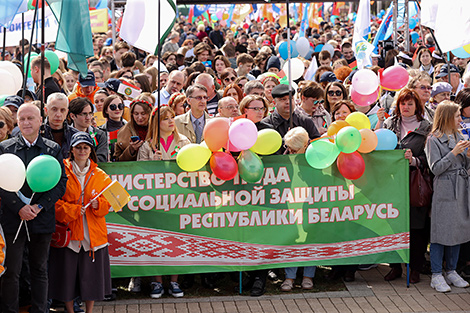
200, 9
304, 23
276, 9
9, 9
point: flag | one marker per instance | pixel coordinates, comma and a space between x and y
129, 90
304, 23
73, 38
99, 20
312, 69
116, 195
362, 49
9, 9
276, 9
230, 15
383, 32
353, 65
200, 9
102, 4
191, 14
140, 23
450, 21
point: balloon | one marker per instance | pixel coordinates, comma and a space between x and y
219, 14
297, 68
369, 141
193, 157
321, 154
243, 134
467, 48
461, 53
268, 142
7, 87
223, 23
15, 72
303, 46
358, 120
310, 53
386, 139
12, 172
43, 173
216, 133
250, 166
348, 139
334, 127
365, 82
2, 99
364, 100
329, 48
53, 60
223, 165
351, 165
294, 53
394, 78
283, 51
318, 48
28, 58
214, 17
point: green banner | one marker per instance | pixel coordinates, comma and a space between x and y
191, 222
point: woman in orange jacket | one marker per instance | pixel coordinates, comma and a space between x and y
82, 268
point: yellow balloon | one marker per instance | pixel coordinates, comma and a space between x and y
225, 16
193, 157
467, 48
358, 120
268, 142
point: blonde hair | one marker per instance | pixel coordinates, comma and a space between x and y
444, 119
7, 116
296, 138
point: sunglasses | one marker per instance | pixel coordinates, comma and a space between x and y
318, 102
2, 124
332, 93
114, 107
230, 79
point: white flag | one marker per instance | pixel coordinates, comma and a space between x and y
139, 25
362, 49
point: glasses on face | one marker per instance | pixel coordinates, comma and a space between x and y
200, 98
114, 107
230, 79
2, 124
232, 107
318, 102
127, 76
337, 93
84, 114
424, 88
257, 109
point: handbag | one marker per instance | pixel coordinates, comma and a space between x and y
420, 188
61, 236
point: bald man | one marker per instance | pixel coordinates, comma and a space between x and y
228, 107
213, 97
37, 210
175, 84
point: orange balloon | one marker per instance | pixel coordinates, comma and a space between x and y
334, 128
369, 141
216, 133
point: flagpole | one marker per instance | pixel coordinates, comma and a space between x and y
4, 42
289, 76
159, 53
29, 50
43, 47
22, 48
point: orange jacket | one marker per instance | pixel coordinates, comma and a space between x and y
78, 93
68, 208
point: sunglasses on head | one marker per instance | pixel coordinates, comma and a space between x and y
338, 93
114, 107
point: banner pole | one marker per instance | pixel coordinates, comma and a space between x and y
4, 42
43, 57
25, 77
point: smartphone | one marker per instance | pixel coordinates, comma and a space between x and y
135, 138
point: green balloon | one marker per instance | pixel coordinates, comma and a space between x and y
250, 166
27, 59
53, 60
321, 154
2, 99
348, 139
43, 173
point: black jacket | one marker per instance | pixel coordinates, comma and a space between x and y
46, 132
281, 125
11, 204
50, 88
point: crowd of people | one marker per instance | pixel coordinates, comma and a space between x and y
207, 71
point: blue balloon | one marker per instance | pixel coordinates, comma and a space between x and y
387, 140
283, 51
414, 37
461, 53
293, 49
318, 48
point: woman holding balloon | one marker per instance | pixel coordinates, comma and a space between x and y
412, 130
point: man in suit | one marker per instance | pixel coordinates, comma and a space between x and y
192, 123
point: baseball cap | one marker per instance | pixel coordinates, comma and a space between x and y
329, 77
81, 137
444, 71
15, 101
112, 84
87, 81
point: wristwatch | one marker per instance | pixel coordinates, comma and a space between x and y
40, 207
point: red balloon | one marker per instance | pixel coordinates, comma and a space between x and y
351, 165
223, 165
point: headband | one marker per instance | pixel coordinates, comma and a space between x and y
141, 101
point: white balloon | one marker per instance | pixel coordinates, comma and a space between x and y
14, 71
7, 85
329, 48
12, 172
365, 82
297, 68
303, 46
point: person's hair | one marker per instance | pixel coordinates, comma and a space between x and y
121, 45
252, 84
409, 94
107, 102
421, 52
191, 89
463, 98
146, 96
340, 62
128, 59
312, 90
123, 71
413, 83
229, 50
144, 82
322, 69
223, 59
260, 58
270, 79
337, 84
201, 47
57, 96
250, 98
147, 106
105, 50
198, 67
175, 99
36, 62
324, 55
153, 72
168, 54
239, 79
226, 72
153, 128
96, 63
346, 44
148, 58
339, 104
342, 72
186, 42
296, 138
244, 58
191, 78
444, 119
390, 57
237, 89
77, 105
7, 116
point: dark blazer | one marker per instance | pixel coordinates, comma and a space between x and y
11, 204
46, 132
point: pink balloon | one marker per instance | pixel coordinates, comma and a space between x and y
243, 134
231, 147
394, 78
364, 100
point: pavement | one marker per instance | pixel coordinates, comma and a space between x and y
368, 293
